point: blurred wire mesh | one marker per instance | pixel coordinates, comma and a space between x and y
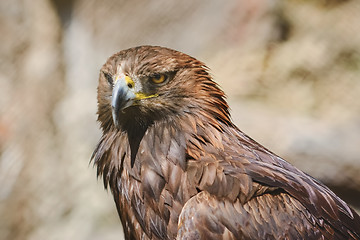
290, 69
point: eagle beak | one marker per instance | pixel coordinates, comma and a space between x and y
123, 96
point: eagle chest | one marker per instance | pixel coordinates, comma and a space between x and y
153, 192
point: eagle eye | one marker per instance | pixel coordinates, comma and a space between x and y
158, 78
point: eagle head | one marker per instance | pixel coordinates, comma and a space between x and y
141, 85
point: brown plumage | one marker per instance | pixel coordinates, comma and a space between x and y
178, 168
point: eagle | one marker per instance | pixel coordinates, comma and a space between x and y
178, 167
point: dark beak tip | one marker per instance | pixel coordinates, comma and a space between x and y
115, 118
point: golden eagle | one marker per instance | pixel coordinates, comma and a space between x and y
178, 168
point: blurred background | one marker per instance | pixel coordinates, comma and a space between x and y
290, 70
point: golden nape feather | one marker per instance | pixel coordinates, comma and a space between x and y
178, 168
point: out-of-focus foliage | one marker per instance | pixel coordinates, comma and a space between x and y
290, 69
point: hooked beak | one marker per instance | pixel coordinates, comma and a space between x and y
123, 96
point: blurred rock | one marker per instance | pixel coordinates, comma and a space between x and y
290, 70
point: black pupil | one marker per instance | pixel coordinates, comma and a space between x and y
157, 76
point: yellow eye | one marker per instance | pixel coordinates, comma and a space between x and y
158, 78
